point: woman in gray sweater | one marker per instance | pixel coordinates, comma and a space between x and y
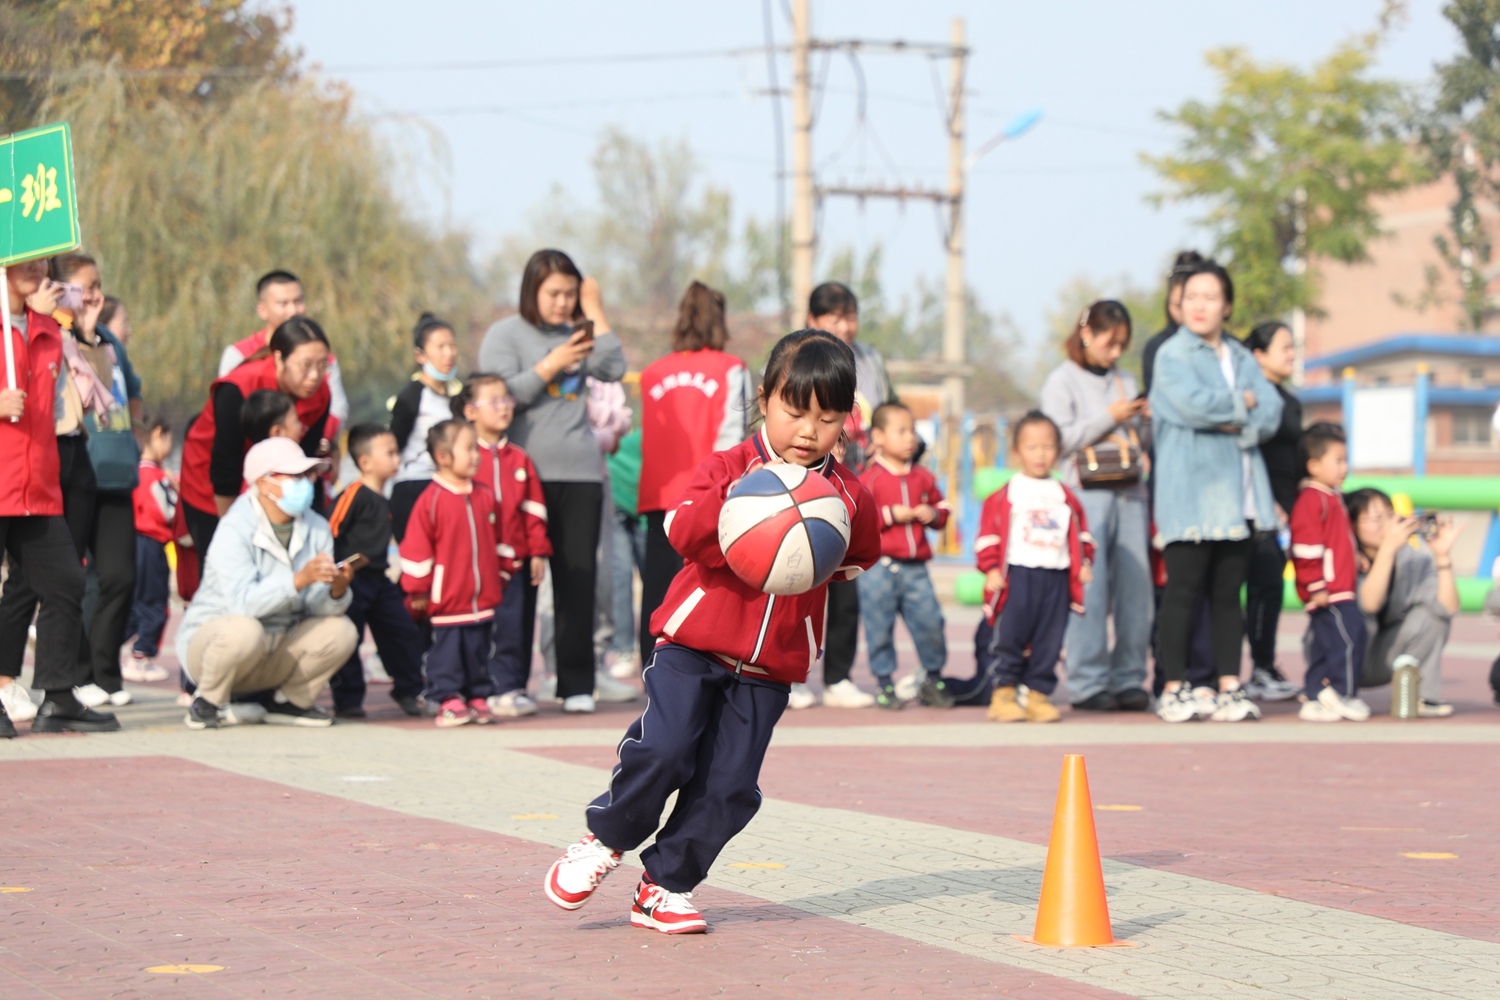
1093, 403
545, 353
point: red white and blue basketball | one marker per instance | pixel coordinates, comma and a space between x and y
784, 530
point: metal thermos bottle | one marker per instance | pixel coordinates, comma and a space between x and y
1406, 692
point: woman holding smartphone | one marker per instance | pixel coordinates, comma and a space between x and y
545, 353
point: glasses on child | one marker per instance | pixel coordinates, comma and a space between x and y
497, 403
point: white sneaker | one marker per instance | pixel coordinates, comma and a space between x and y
1266, 686
801, 697
1233, 706
120, 698
1433, 709
242, 713
90, 695
547, 690
133, 669
1313, 710
626, 666
512, 704
909, 687
1348, 708
1177, 706
1207, 700
17, 702
844, 694
607, 689
578, 704
573, 877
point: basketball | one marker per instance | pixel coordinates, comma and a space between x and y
784, 530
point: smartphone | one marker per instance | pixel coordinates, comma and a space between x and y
585, 327
354, 563
1428, 520
71, 297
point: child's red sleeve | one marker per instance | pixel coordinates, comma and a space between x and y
418, 551
693, 525
987, 547
939, 504
1308, 546
534, 510
1085, 540
864, 538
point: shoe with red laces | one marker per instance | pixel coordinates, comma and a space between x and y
668, 912
573, 877
453, 713
479, 711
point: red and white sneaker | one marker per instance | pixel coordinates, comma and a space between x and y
453, 713
669, 912
479, 711
573, 877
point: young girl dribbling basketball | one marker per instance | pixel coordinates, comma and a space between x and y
725, 658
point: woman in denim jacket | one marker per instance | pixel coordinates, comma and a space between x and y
1211, 408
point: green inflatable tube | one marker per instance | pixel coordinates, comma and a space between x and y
1436, 492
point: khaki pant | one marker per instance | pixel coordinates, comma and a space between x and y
1422, 634
234, 655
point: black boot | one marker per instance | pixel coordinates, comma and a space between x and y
7, 728
62, 713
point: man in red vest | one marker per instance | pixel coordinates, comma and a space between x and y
278, 297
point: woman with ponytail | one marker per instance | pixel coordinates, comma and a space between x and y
423, 404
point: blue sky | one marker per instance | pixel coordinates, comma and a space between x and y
1063, 201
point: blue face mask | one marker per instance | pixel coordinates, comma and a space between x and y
432, 372
296, 496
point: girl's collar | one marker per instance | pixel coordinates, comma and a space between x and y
768, 454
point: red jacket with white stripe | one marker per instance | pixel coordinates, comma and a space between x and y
30, 486
710, 609
693, 403
522, 527
1323, 544
155, 503
994, 536
450, 554
911, 488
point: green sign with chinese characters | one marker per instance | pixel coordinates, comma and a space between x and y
38, 204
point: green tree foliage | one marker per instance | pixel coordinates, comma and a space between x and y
1288, 162
1462, 137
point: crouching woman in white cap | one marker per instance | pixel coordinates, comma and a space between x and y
269, 613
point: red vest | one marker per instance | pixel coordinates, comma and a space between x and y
198, 445
683, 400
28, 447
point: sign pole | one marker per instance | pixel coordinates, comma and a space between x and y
10, 348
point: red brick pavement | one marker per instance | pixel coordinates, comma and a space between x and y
1327, 824
138, 862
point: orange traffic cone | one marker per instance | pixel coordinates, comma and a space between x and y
1073, 912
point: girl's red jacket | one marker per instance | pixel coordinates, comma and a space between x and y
509, 474
994, 536
155, 503
30, 486
1323, 544
710, 609
198, 444
911, 488
450, 553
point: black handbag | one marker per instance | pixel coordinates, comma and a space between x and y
1113, 460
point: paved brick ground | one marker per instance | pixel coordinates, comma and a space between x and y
139, 862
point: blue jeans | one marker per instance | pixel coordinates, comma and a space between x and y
1122, 586
629, 555
153, 590
900, 586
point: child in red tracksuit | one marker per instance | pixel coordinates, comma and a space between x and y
155, 504
725, 658
1036, 553
450, 567
1323, 552
909, 502
486, 403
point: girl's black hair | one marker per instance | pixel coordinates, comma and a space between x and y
442, 435
262, 410
1359, 501
471, 388
293, 334
424, 328
1213, 267
1033, 417
808, 364
1259, 339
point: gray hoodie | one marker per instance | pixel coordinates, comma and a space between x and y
1078, 401
552, 418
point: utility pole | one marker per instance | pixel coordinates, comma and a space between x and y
953, 307
802, 172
